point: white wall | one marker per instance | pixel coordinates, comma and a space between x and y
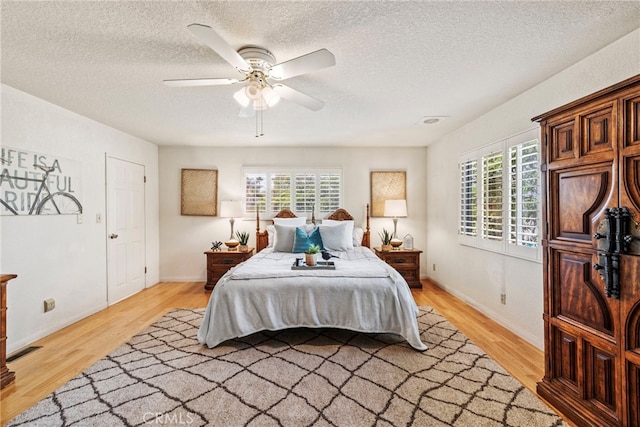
183, 239
479, 282
54, 256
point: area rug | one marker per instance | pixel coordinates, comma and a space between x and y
297, 377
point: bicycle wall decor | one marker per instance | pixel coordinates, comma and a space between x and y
38, 184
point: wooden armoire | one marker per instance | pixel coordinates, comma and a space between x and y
591, 242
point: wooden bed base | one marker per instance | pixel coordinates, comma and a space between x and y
262, 237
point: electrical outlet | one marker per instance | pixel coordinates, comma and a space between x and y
98, 218
79, 218
503, 298
49, 304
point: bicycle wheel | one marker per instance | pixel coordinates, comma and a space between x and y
59, 204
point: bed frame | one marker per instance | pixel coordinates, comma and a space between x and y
262, 237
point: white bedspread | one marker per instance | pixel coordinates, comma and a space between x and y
362, 294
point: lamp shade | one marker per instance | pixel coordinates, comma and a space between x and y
230, 209
395, 208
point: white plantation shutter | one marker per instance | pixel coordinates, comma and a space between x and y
280, 192
330, 189
492, 165
305, 192
469, 198
255, 190
499, 196
298, 189
524, 193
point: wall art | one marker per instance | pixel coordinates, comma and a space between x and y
387, 185
199, 192
38, 184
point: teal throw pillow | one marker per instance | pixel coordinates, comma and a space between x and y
302, 240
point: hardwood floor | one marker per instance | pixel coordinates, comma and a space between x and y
73, 349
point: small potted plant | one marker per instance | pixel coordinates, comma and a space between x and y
243, 238
385, 236
311, 254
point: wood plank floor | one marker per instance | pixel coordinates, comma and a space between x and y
73, 349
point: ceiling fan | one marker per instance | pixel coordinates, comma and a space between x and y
261, 88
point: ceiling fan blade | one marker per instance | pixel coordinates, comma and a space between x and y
298, 97
303, 64
200, 82
219, 45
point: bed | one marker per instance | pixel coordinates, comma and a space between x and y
362, 293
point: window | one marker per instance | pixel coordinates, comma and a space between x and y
271, 190
499, 196
469, 197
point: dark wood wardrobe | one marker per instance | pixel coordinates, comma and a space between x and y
591, 242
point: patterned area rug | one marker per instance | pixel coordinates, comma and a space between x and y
296, 377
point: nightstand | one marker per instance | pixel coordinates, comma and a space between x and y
406, 261
219, 262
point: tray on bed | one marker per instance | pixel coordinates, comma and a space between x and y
321, 265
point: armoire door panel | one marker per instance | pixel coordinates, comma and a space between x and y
598, 130
580, 195
576, 285
632, 121
566, 359
562, 140
600, 377
633, 393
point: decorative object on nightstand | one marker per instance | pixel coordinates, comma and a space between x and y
407, 242
395, 209
231, 209
406, 261
216, 245
243, 238
219, 262
385, 237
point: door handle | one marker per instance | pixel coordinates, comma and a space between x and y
113, 236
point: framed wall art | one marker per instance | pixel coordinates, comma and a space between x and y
199, 192
387, 185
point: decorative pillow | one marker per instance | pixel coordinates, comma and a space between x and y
302, 240
337, 237
358, 232
296, 222
284, 238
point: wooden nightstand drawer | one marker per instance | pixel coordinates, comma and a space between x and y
219, 262
407, 262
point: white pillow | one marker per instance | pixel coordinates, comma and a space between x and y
284, 238
271, 235
337, 237
296, 222
358, 232
271, 232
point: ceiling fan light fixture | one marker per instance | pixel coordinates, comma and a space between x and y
253, 91
241, 98
270, 96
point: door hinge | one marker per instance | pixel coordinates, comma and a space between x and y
145, 270
145, 179
543, 167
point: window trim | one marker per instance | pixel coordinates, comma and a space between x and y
503, 246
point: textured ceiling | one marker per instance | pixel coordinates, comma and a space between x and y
396, 62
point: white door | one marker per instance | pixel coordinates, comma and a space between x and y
125, 229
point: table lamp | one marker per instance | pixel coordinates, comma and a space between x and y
231, 209
395, 209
